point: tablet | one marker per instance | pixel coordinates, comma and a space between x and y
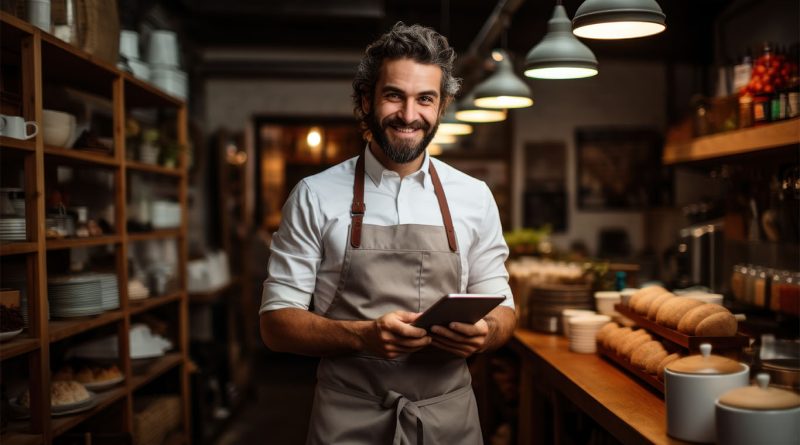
464, 308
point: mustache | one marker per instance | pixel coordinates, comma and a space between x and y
398, 122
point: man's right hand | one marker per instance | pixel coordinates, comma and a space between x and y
392, 335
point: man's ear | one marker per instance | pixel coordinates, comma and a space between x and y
445, 103
366, 104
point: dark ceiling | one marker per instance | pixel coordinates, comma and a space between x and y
352, 24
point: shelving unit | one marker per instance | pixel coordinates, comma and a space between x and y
746, 140
40, 58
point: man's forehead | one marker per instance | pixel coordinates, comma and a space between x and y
409, 71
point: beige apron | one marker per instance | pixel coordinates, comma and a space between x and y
425, 397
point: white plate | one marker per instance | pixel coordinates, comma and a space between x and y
10, 334
103, 384
61, 410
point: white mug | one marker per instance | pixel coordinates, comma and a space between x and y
16, 127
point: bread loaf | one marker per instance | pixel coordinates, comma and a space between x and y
605, 330
721, 324
634, 339
643, 304
664, 362
644, 351
614, 338
671, 312
651, 362
688, 323
656, 304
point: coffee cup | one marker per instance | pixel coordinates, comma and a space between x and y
16, 127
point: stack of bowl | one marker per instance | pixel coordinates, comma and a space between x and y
58, 128
583, 330
566, 314
163, 57
129, 48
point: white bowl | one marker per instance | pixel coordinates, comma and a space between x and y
162, 49
566, 314
605, 302
129, 44
589, 320
171, 80
140, 69
58, 128
705, 298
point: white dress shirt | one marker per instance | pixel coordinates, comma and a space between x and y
308, 249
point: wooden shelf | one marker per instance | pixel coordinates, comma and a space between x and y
15, 438
6, 142
17, 248
746, 140
690, 342
139, 306
80, 156
60, 425
153, 168
63, 328
155, 234
18, 345
157, 368
68, 243
141, 94
623, 363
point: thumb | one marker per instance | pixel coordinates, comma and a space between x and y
407, 317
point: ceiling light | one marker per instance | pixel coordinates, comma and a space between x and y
467, 111
560, 55
450, 124
314, 137
503, 89
618, 19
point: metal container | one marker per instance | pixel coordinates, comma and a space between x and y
547, 302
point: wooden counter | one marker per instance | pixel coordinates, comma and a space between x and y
625, 408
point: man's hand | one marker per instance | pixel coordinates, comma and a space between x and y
461, 339
392, 335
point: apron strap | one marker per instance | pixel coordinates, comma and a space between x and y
357, 208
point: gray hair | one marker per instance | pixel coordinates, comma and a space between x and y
416, 42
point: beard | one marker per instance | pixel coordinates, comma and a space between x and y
403, 151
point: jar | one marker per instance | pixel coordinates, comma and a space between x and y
758, 414
778, 278
789, 294
737, 281
691, 387
761, 109
760, 287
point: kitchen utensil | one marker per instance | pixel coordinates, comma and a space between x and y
758, 414
162, 49
691, 387
58, 128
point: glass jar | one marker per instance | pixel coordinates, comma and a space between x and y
737, 281
789, 294
760, 287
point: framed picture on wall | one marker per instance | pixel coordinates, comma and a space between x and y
620, 168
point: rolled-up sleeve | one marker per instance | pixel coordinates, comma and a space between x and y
296, 253
487, 269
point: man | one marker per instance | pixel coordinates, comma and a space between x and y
372, 243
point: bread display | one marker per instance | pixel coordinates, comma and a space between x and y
634, 340
605, 330
671, 312
61, 393
656, 304
88, 374
645, 351
666, 361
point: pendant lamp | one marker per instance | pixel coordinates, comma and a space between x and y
467, 111
560, 55
503, 89
450, 124
618, 19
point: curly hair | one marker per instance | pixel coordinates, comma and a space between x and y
416, 42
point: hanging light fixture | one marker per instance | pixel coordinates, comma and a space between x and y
467, 111
618, 19
450, 124
503, 89
560, 55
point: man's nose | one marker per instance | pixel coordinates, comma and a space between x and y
409, 111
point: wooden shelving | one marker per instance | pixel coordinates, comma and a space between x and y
19, 345
746, 140
7, 248
69, 243
61, 329
212, 295
41, 59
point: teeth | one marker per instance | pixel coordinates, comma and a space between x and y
404, 130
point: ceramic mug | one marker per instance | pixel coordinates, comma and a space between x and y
16, 127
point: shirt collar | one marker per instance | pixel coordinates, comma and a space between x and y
375, 169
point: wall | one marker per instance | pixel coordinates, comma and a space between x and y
623, 93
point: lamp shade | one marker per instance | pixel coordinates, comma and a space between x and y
467, 111
451, 126
503, 89
618, 19
560, 55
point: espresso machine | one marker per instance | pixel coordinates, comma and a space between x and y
699, 255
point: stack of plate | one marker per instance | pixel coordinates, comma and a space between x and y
108, 281
582, 332
75, 296
12, 229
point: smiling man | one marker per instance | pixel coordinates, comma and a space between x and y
373, 242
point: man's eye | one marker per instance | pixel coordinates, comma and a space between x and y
392, 96
426, 99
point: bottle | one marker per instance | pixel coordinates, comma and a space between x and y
761, 87
742, 72
793, 84
82, 229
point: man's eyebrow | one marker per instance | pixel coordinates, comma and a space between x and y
394, 89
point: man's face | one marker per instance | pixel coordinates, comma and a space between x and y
404, 114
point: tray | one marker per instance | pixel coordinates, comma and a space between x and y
620, 361
690, 342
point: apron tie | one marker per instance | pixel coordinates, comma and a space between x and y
393, 398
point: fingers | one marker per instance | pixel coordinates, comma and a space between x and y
398, 323
460, 350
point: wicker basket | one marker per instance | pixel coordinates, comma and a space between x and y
154, 418
99, 29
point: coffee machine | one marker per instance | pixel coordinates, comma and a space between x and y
699, 255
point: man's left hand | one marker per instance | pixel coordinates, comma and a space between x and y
461, 339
